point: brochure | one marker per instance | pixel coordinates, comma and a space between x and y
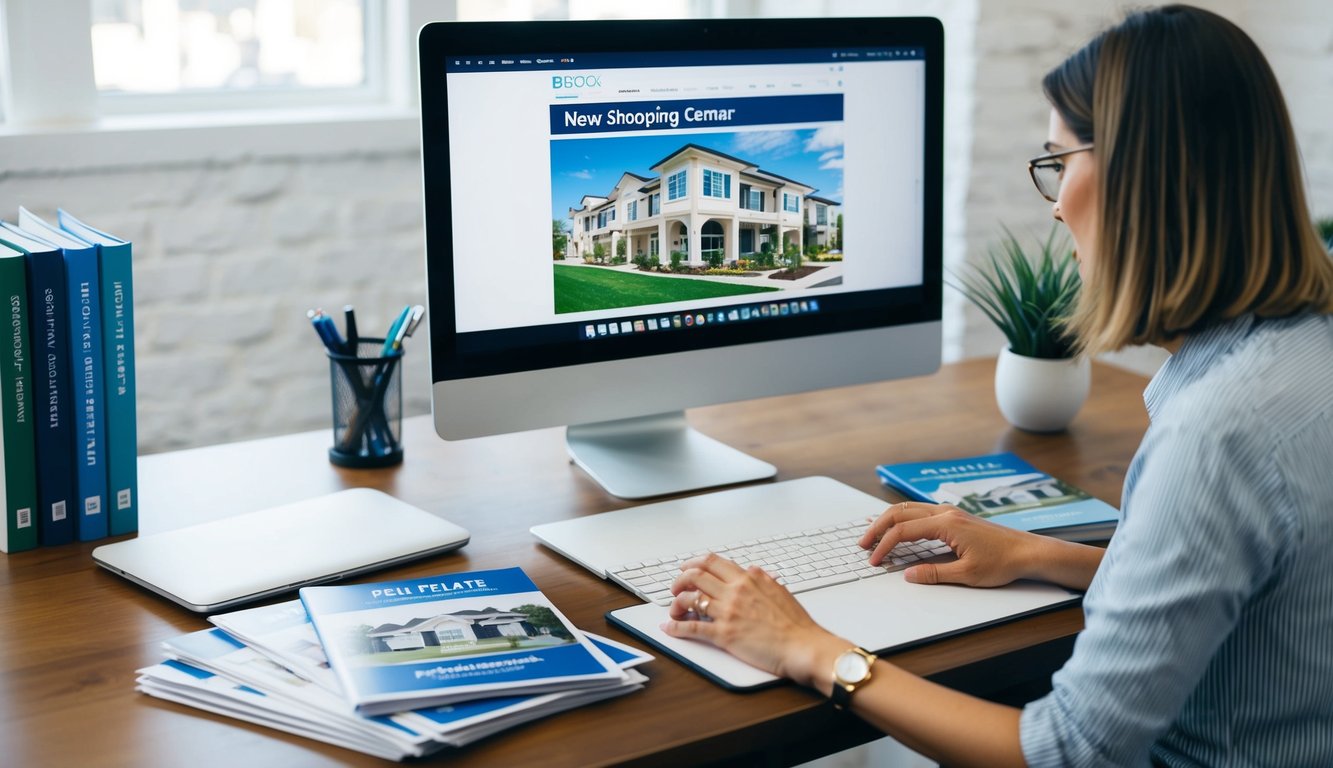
1006, 489
454, 637
217, 672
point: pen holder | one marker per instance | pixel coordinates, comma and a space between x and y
367, 406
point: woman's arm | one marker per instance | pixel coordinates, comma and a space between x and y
755, 618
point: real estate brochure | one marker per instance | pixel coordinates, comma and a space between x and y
454, 637
1006, 489
253, 676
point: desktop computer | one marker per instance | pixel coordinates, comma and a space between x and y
627, 219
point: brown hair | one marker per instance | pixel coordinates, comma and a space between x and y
1203, 211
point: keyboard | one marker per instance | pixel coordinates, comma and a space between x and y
800, 561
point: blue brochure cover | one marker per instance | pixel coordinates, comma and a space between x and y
48, 329
424, 642
85, 345
116, 282
1005, 489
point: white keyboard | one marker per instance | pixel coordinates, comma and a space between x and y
811, 559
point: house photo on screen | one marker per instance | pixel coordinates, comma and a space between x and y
683, 216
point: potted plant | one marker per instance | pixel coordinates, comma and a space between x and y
1325, 227
1040, 383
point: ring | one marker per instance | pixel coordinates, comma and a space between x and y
700, 606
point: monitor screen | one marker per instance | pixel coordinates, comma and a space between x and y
632, 218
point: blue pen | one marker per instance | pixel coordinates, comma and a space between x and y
333, 339
392, 335
331, 342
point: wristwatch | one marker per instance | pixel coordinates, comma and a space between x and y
850, 671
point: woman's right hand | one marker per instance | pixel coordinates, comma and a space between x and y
989, 554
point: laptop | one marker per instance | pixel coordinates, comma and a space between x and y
224, 563
879, 611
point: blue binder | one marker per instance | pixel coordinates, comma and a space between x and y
48, 330
85, 345
115, 271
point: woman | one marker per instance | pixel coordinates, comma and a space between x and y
1209, 617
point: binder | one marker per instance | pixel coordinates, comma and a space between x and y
85, 346
115, 272
48, 330
18, 482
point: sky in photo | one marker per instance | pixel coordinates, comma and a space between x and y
585, 166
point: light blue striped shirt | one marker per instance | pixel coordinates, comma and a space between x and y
1208, 635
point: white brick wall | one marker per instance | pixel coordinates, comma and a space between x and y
228, 258
230, 255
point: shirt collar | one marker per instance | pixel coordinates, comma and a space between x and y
1196, 356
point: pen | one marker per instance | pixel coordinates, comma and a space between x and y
349, 316
332, 341
408, 327
391, 337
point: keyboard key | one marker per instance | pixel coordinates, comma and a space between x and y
820, 581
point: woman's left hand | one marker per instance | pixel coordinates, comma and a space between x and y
749, 615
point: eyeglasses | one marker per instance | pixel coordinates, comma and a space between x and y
1048, 171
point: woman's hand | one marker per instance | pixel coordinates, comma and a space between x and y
749, 615
989, 554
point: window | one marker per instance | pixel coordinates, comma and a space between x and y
587, 223
183, 55
632, 210
717, 184
152, 46
821, 214
791, 202
751, 199
513, 630
449, 635
676, 185
655, 204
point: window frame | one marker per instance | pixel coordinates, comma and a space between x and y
711, 180
53, 116
372, 90
678, 190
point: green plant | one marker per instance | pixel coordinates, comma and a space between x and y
559, 239
1027, 298
676, 258
791, 256
1325, 227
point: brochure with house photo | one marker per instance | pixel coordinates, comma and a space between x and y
1005, 489
423, 642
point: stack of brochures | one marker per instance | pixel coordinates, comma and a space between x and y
1005, 489
397, 669
69, 457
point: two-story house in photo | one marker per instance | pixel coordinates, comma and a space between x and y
701, 201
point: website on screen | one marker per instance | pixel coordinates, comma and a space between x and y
770, 181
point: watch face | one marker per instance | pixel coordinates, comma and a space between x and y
851, 667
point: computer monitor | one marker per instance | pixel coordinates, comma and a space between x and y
626, 219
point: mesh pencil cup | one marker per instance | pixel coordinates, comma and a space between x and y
367, 406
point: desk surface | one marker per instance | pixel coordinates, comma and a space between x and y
73, 634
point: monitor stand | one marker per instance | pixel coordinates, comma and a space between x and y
658, 455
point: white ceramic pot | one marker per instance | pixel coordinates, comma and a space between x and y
1041, 395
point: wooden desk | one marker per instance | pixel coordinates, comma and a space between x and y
73, 634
